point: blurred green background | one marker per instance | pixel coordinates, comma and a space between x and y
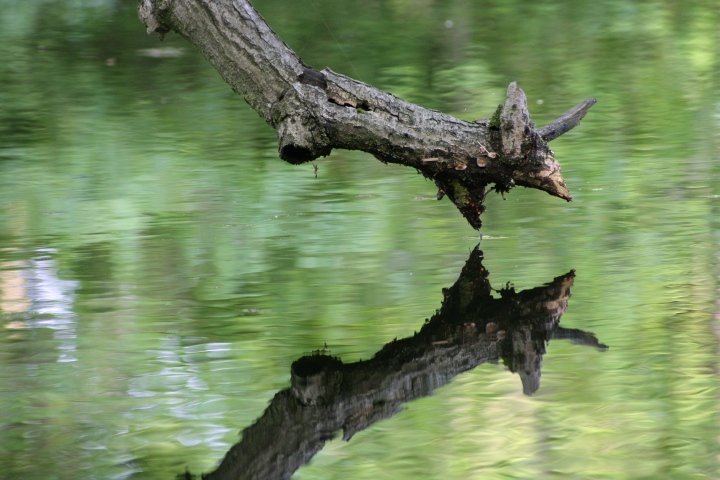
161, 267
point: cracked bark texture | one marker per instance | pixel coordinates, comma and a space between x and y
315, 112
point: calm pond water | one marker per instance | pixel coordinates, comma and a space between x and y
166, 281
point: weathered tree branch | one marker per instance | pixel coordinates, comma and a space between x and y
315, 112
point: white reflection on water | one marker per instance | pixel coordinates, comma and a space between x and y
33, 289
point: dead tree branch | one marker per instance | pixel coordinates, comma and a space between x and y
315, 112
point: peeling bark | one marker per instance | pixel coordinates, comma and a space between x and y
315, 112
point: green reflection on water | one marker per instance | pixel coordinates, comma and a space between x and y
161, 268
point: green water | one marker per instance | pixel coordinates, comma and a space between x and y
161, 268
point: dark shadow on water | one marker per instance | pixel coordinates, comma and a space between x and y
472, 327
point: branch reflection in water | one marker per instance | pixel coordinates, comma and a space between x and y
472, 327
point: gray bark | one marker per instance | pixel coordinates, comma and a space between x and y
315, 112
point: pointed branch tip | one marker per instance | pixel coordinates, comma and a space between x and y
567, 121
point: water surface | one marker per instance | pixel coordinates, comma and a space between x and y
161, 269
